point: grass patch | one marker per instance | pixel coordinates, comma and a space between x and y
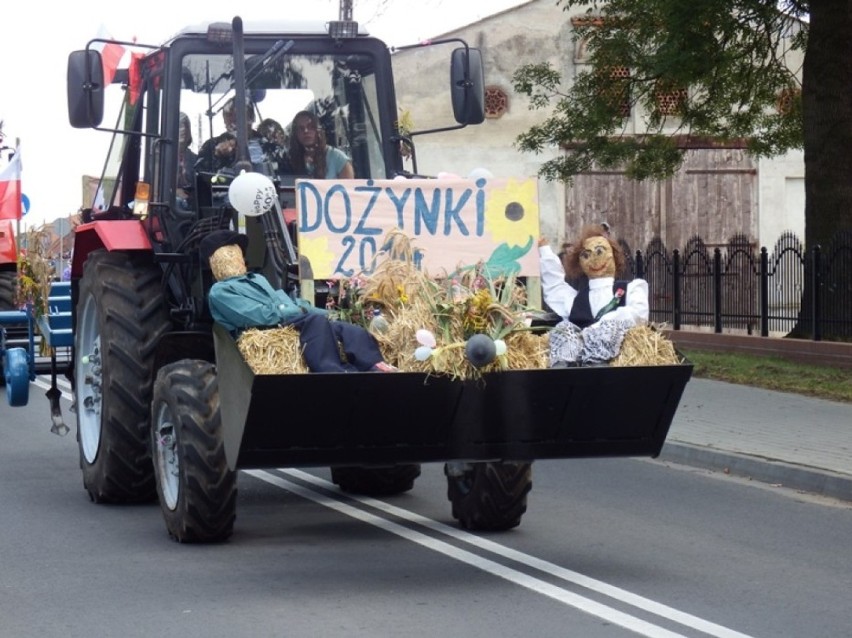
773, 373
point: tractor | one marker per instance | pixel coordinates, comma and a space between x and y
166, 407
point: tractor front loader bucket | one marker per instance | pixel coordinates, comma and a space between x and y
392, 418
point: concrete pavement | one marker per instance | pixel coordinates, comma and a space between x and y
774, 437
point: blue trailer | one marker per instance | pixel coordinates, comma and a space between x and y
54, 329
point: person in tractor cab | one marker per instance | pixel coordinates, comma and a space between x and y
597, 314
311, 156
240, 300
186, 163
219, 154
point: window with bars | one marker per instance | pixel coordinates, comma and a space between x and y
496, 102
618, 88
669, 100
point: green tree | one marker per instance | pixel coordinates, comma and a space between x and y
726, 63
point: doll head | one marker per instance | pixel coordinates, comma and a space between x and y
594, 254
226, 262
224, 250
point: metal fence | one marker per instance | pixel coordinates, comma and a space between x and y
738, 287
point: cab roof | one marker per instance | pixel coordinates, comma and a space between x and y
269, 27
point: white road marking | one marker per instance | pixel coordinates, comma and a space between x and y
564, 596
568, 575
63, 385
579, 602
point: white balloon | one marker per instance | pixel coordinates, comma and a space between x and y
422, 353
252, 194
501, 346
476, 173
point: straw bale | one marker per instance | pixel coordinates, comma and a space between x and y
274, 351
646, 346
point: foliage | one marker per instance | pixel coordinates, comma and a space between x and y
722, 60
35, 273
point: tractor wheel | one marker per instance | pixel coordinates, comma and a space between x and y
120, 317
16, 376
8, 284
488, 496
376, 481
198, 493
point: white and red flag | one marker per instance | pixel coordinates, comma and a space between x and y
111, 54
10, 188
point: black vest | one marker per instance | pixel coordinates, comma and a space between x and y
581, 311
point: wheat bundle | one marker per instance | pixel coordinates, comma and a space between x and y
451, 309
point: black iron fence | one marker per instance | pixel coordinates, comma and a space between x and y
738, 287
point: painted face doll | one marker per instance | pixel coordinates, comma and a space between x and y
598, 312
596, 258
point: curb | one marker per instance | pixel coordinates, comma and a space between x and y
765, 470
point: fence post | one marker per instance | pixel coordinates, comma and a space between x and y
640, 266
816, 282
676, 288
764, 292
717, 290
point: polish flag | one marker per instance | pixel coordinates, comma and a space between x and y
135, 74
10, 188
111, 54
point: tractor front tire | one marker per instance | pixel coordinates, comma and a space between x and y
489, 496
198, 493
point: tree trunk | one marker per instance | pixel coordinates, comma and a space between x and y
827, 109
827, 105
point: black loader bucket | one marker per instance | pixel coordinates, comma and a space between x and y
391, 418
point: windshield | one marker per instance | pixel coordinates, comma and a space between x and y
338, 90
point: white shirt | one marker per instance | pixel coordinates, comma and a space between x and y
559, 295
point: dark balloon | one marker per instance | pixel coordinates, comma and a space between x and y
480, 350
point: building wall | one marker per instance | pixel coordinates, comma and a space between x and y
506, 39
717, 194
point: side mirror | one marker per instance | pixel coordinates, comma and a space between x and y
467, 86
85, 89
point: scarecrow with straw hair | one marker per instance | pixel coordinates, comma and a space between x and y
240, 300
598, 313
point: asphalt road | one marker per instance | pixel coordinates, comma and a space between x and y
608, 548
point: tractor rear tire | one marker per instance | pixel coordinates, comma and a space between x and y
120, 317
489, 496
376, 481
198, 493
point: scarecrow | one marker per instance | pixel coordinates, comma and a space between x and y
240, 300
598, 313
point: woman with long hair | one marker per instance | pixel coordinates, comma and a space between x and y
309, 153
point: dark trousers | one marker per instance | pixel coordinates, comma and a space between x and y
320, 337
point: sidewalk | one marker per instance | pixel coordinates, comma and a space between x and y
772, 437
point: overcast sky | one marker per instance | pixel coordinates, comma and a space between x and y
36, 40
